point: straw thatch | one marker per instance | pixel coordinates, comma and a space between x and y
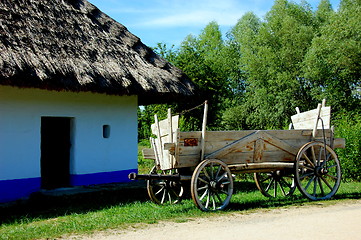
71, 45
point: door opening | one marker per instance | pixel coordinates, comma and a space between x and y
55, 152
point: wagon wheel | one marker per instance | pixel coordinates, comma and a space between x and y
163, 191
272, 183
211, 185
317, 171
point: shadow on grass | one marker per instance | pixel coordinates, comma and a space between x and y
264, 202
51, 204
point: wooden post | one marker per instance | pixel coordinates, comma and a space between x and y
170, 127
170, 135
156, 153
324, 103
159, 140
204, 125
314, 132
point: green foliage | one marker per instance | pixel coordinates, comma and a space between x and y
272, 53
348, 126
255, 75
332, 65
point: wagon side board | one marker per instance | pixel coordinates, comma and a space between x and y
248, 146
243, 148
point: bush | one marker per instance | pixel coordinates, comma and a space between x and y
348, 126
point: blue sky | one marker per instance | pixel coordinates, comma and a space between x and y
170, 21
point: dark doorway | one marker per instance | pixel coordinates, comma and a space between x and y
55, 152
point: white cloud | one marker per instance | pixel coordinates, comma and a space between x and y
175, 13
195, 17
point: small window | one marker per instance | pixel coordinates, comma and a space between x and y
106, 131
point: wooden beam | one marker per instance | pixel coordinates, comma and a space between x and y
204, 126
234, 145
279, 143
258, 150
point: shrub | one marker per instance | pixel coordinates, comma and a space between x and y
348, 126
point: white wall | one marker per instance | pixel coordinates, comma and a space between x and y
20, 121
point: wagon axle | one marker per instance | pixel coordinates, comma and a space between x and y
320, 171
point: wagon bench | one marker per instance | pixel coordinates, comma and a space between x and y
302, 156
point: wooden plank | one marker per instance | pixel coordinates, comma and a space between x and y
317, 120
231, 136
148, 153
158, 146
260, 134
259, 147
306, 120
170, 126
170, 147
255, 166
204, 126
194, 134
189, 150
177, 139
281, 144
339, 143
295, 138
187, 161
156, 152
164, 126
248, 157
234, 145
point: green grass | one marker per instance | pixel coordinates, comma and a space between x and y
127, 208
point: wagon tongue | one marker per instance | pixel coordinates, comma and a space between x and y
173, 177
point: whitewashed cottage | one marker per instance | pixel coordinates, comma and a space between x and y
71, 79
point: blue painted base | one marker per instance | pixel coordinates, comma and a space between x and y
101, 178
15, 189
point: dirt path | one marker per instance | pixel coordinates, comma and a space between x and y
321, 221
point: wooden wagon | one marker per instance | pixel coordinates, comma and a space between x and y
302, 156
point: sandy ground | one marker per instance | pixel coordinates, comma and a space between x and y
319, 221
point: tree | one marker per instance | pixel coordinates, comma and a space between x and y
332, 64
204, 60
272, 53
324, 12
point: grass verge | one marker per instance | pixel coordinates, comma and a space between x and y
121, 208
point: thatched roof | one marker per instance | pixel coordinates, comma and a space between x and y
71, 45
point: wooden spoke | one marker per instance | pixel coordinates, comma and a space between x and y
321, 186
322, 180
308, 160
217, 173
306, 175
309, 182
313, 155
326, 182
160, 190
211, 185
202, 188
272, 183
221, 177
206, 173
308, 167
202, 180
204, 194
164, 191
314, 187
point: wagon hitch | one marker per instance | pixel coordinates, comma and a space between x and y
173, 177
